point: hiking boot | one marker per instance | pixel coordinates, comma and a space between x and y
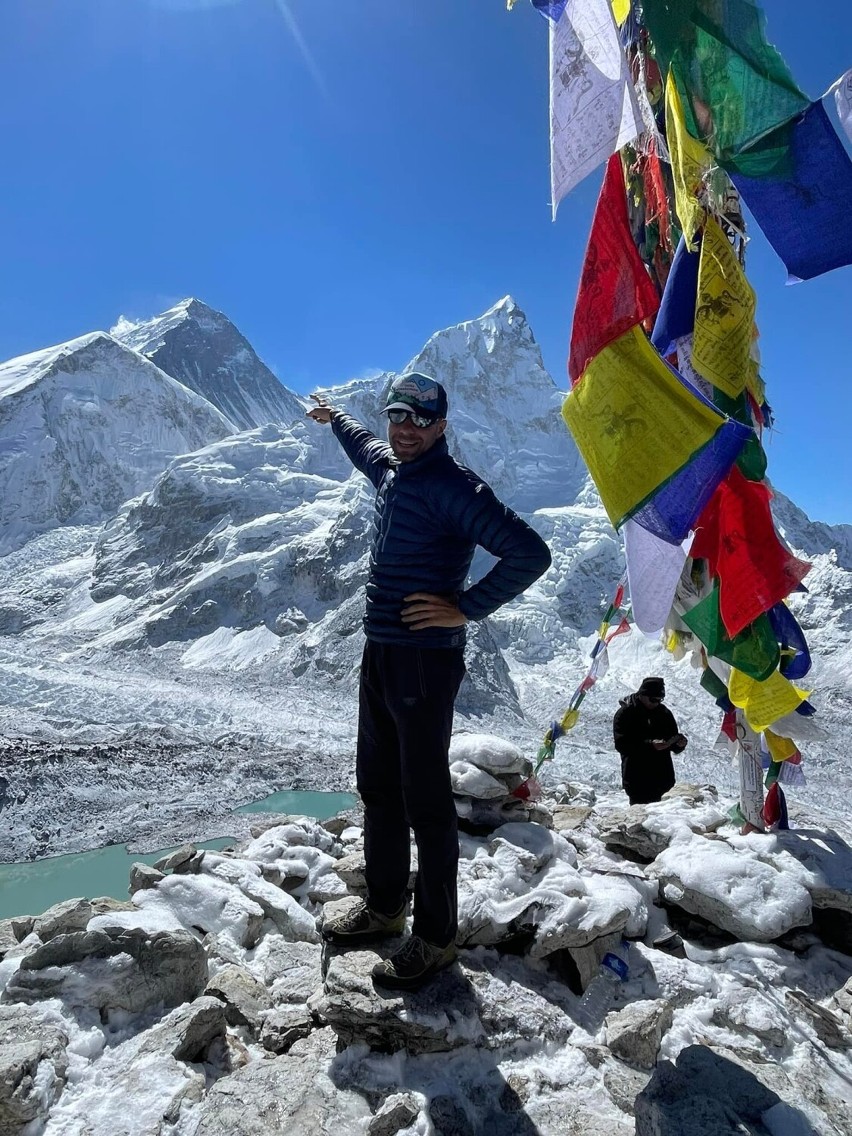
413, 964
360, 924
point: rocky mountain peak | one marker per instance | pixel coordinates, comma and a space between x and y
204, 350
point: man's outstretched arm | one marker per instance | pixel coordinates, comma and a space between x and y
367, 453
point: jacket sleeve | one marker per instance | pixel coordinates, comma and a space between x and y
627, 734
672, 730
367, 453
522, 556
622, 736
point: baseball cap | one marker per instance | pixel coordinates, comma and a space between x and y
418, 393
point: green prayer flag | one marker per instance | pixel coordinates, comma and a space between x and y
735, 87
752, 460
714, 686
754, 651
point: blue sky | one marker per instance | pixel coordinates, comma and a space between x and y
343, 179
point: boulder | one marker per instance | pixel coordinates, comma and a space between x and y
485, 1000
200, 903
63, 918
568, 818
395, 1113
351, 868
188, 1031
487, 751
282, 1026
33, 1066
292, 1094
826, 1025
471, 781
127, 969
176, 860
143, 876
634, 1034
843, 998
244, 997
349, 818
292, 971
625, 831
751, 899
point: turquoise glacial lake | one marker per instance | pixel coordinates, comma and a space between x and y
29, 889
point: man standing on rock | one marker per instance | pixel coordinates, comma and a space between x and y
431, 513
646, 735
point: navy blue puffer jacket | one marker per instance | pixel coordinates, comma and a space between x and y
430, 516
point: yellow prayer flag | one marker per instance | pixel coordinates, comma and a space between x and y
690, 162
724, 315
634, 423
569, 720
764, 702
621, 10
755, 383
780, 748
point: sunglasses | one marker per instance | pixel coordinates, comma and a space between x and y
418, 420
650, 699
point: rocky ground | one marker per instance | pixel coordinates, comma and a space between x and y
208, 1001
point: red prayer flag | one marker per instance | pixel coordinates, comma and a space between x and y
729, 725
616, 292
737, 537
772, 805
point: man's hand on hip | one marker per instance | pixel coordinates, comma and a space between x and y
423, 609
322, 412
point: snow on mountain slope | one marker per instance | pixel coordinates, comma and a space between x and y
225, 597
85, 425
202, 349
505, 419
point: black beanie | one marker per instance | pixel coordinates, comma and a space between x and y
652, 688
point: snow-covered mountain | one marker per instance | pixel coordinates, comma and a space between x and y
202, 349
222, 596
84, 426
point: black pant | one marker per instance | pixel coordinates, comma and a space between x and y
404, 726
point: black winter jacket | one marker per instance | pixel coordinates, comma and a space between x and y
430, 516
646, 773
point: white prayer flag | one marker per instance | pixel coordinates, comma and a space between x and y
654, 568
593, 107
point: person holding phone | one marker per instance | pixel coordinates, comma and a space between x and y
646, 735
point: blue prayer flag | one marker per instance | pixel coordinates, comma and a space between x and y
676, 316
551, 8
790, 635
805, 214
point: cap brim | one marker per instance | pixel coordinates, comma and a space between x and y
409, 409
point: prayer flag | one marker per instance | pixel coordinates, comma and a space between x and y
724, 315
763, 702
804, 212
781, 749
653, 569
735, 87
552, 9
795, 653
676, 317
754, 651
621, 10
593, 108
615, 290
737, 537
637, 424
690, 163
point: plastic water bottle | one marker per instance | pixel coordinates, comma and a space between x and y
600, 992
